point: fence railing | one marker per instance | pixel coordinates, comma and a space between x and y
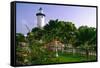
80, 51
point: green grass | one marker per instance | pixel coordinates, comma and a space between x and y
64, 58
75, 58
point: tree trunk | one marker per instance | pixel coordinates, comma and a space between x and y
87, 54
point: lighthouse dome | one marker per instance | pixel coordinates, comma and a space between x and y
40, 13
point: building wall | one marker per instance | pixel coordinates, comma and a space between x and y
40, 21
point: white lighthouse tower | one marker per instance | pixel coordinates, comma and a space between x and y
40, 18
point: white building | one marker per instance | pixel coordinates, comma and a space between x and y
40, 18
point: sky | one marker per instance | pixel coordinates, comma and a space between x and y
26, 15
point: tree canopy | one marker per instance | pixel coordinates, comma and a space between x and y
66, 32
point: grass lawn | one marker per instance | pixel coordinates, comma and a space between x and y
65, 58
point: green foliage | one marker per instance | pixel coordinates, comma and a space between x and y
39, 54
23, 55
66, 32
20, 37
87, 36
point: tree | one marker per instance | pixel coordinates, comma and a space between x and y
38, 33
86, 36
20, 38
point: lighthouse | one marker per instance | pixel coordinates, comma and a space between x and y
40, 18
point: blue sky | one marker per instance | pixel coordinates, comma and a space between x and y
26, 15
